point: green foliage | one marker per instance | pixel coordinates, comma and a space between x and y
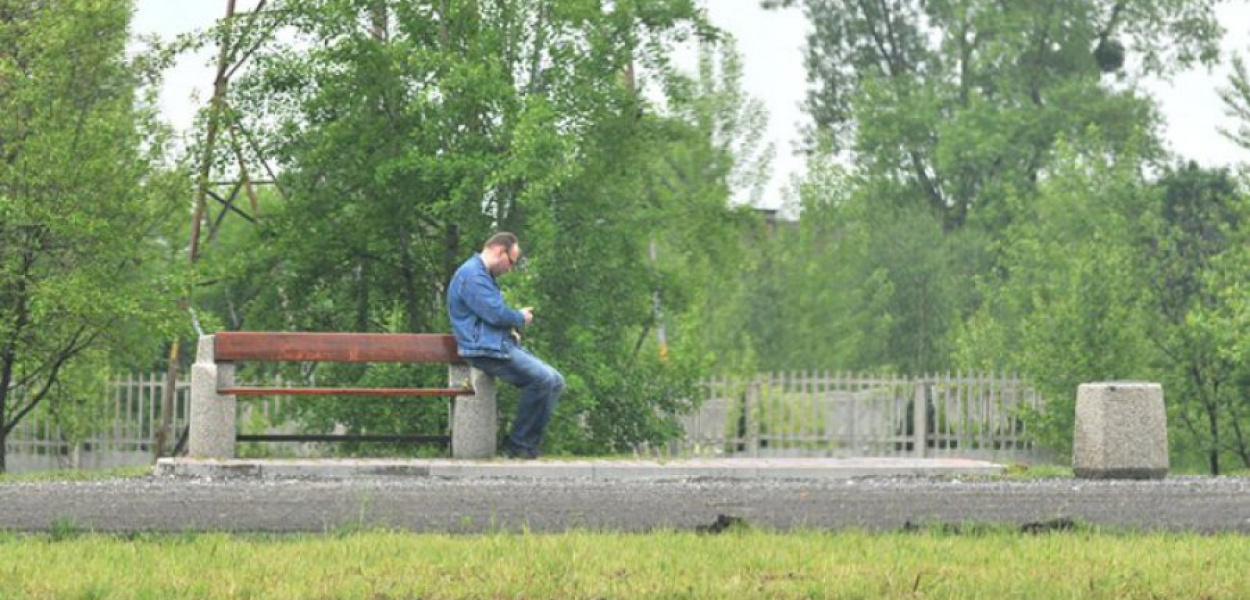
61, 530
1194, 263
85, 210
405, 133
1144, 283
948, 112
991, 215
957, 101
1021, 472
855, 284
975, 198
1236, 100
73, 402
712, 152
1069, 307
77, 475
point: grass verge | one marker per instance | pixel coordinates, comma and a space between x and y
930, 563
76, 475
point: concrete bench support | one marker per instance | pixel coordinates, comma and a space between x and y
474, 419
212, 414
1121, 431
213, 426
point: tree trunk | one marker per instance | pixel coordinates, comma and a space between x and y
379, 22
451, 253
412, 298
1213, 421
362, 294
1239, 436
1243, 450
167, 402
6, 379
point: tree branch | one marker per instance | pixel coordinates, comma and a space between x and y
75, 346
251, 23
930, 187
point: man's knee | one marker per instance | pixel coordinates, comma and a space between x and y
559, 381
555, 381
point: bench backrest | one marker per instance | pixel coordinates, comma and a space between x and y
280, 346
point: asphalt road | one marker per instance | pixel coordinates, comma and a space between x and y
485, 505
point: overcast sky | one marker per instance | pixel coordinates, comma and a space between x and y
771, 45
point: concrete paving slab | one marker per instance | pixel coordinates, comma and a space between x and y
593, 469
516, 469
873, 467
690, 469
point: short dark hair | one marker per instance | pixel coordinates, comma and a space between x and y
502, 239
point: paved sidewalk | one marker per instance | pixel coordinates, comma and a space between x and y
592, 469
520, 504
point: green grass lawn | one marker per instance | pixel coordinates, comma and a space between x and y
386, 565
76, 475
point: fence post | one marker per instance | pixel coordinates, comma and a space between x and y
753, 418
168, 390
920, 421
852, 426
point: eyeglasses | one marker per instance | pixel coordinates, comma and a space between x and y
519, 263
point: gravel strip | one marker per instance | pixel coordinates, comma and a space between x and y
1202, 504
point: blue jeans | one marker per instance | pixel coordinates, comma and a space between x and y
541, 386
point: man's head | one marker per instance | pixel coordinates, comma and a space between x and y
501, 253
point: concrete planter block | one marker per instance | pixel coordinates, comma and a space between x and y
1121, 431
212, 415
474, 418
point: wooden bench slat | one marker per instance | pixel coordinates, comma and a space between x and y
445, 439
275, 346
305, 391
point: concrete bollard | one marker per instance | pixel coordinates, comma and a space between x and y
212, 415
1121, 431
475, 420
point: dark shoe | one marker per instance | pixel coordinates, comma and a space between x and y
519, 453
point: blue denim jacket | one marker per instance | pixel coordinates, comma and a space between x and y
480, 318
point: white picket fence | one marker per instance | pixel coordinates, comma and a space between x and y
126, 421
771, 414
845, 415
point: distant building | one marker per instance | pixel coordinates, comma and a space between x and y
773, 218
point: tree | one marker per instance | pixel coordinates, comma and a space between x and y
960, 101
406, 132
855, 284
81, 203
1191, 266
951, 115
1072, 310
1236, 100
712, 154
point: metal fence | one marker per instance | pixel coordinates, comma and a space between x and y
123, 427
771, 414
842, 414
121, 430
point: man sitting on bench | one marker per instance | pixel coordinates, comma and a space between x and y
484, 327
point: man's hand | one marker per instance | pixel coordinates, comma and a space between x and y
528, 311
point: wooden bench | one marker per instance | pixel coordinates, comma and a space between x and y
214, 394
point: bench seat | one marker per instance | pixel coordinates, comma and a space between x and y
264, 346
333, 391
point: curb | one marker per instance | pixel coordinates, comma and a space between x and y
595, 470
